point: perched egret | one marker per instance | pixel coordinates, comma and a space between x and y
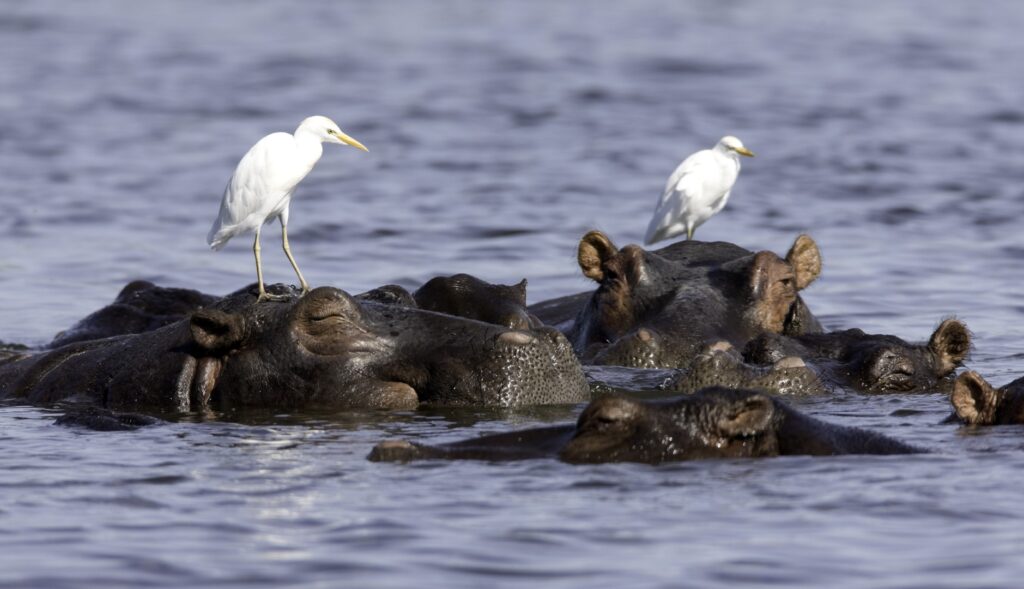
697, 190
264, 182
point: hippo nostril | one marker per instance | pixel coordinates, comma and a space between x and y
519, 338
518, 322
789, 362
721, 346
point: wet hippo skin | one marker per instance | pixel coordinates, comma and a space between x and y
659, 309
712, 423
872, 363
326, 349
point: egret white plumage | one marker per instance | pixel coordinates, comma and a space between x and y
262, 186
696, 190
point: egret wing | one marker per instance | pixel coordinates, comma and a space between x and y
264, 175
683, 185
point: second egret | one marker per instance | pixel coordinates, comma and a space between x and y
262, 186
697, 190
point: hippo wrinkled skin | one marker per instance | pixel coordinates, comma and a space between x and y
869, 362
976, 402
658, 309
326, 349
712, 423
467, 296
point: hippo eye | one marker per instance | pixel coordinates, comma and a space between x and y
319, 318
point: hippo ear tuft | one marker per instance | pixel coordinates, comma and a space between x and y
973, 399
215, 330
805, 258
594, 250
746, 417
951, 343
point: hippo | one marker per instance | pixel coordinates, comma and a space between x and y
872, 363
976, 402
325, 349
140, 306
716, 422
720, 364
466, 296
658, 309
143, 306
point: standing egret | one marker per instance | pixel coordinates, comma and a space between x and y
263, 184
697, 190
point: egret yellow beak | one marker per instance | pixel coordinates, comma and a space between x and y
348, 140
743, 151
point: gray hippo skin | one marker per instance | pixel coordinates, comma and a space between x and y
976, 402
466, 296
659, 309
722, 365
712, 423
326, 349
872, 363
140, 306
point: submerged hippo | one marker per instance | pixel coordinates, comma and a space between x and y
869, 362
467, 296
140, 306
976, 402
326, 349
658, 309
712, 423
720, 364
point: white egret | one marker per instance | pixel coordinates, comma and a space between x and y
263, 184
697, 190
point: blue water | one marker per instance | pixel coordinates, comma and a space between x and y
499, 132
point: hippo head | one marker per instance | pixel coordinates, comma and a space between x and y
720, 364
712, 423
976, 402
328, 349
466, 296
873, 363
657, 309
324, 349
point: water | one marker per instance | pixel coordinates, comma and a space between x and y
500, 133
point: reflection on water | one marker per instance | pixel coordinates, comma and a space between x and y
499, 133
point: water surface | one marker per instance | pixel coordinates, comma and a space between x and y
499, 133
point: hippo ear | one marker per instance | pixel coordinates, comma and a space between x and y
594, 250
746, 417
215, 330
950, 343
806, 261
133, 287
973, 399
520, 289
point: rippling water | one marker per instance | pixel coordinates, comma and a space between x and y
499, 133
